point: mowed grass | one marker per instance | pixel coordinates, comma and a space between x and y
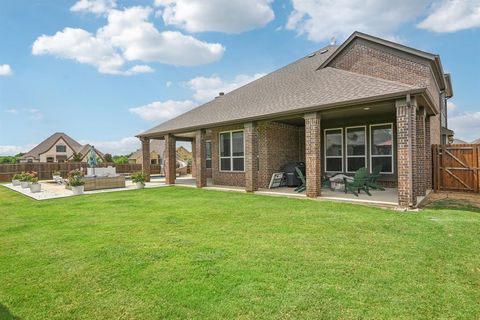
183, 253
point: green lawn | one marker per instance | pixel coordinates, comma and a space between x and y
185, 253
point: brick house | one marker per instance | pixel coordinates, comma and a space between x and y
59, 147
364, 103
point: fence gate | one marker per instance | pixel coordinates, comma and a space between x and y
456, 167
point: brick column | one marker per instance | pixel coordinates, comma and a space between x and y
146, 157
312, 154
194, 166
199, 156
405, 153
170, 159
251, 157
428, 156
421, 165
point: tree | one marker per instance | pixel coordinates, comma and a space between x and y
120, 159
108, 157
77, 157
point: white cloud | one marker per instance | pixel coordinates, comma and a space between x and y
162, 110
204, 89
466, 125
5, 70
12, 111
451, 107
168, 84
128, 36
94, 6
229, 16
82, 46
11, 150
320, 20
116, 147
207, 88
452, 15
32, 113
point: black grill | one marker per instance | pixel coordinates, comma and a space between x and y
292, 179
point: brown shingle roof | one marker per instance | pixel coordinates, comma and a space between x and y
46, 144
293, 88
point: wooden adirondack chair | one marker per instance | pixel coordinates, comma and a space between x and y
360, 182
372, 181
302, 178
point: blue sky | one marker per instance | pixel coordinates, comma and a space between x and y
104, 70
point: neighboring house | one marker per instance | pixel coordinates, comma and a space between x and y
59, 147
368, 102
476, 141
459, 141
157, 154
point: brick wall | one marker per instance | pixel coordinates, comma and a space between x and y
251, 157
428, 156
367, 58
313, 161
405, 153
279, 144
219, 177
170, 159
421, 165
146, 157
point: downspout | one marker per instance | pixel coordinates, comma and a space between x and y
410, 155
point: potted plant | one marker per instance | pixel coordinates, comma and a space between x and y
16, 179
24, 180
139, 179
76, 182
34, 185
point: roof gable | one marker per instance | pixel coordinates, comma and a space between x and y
48, 143
432, 59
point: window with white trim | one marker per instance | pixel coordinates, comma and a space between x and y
208, 154
232, 151
334, 150
356, 148
381, 147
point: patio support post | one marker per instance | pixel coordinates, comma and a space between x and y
251, 157
194, 158
146, 157
199, 159
170, 159
313, 160
421, 175
406, 141
428, 155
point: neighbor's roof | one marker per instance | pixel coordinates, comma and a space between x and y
155, 145
46, 144
476, 141
295, 88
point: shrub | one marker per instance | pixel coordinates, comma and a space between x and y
25, 177
75, 178
139, 177
17, 176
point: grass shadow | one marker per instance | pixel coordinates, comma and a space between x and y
452, 204
5, 314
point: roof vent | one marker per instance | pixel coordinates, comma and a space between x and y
221, 93
324, 51
312, 55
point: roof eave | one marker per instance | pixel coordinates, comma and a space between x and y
329, 106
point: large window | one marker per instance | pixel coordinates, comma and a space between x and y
381, 147
61, 148
208, 154
232, 153
334, 150
356, 147
50, 159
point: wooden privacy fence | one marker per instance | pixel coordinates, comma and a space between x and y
456, 167
45, 170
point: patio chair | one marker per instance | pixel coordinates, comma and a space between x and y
300, 175
372, 181
359, 182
